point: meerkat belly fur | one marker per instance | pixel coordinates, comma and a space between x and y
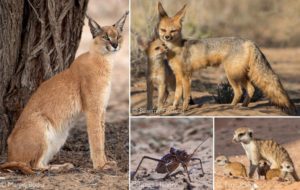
257, 149
46, 120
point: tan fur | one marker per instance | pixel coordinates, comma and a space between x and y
235, 169
284, 173
43, 126
159, 74
244, 63
273, 173
257, 149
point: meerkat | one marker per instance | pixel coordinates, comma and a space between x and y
262, 168
257, 149
44, 124
235, 169
284, 173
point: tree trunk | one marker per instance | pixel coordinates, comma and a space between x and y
38, 39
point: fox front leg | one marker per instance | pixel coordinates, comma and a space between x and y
186, 93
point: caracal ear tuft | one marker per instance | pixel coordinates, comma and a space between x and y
94, 27
120, 23
161, 11
180, 14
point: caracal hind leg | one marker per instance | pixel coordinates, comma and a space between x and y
237, 90
27, 143
250, 92
186, 92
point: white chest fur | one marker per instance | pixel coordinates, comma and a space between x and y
251, 152
55, 138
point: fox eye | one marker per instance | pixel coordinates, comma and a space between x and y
105, 37
157, 48
163, 30
172, 31
281, 167
288, 167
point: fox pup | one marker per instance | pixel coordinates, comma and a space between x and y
257, 149
284, 173
245, 65
159, 74
235, 169
45, 122
262, 168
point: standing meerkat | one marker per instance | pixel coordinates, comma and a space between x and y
257, 149
262, 168
236, 169
284, 173
44, 125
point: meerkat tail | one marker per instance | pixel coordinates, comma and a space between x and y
25, 169
262, 75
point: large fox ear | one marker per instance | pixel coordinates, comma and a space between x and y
161, 11
120, 23
180, 14
94, 27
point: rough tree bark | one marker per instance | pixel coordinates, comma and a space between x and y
38, 39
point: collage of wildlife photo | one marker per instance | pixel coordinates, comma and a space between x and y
149, 95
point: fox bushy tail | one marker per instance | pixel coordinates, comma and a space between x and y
17, 166
262, 75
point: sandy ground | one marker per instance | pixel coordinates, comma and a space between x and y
284, 131
76, 150
154, 137
285, 62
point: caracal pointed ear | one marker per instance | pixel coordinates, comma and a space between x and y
161, 11
180, 14
94, 27
120, 23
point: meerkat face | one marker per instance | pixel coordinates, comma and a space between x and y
263, 163
243, 135
221, 160
287, 166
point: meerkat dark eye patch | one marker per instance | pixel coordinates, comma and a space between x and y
156, 48
241, 134
288, 167
250, 134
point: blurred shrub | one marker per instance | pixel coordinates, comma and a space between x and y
224, 94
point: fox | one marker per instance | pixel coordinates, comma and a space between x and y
245, 64
159, 74
84, 87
